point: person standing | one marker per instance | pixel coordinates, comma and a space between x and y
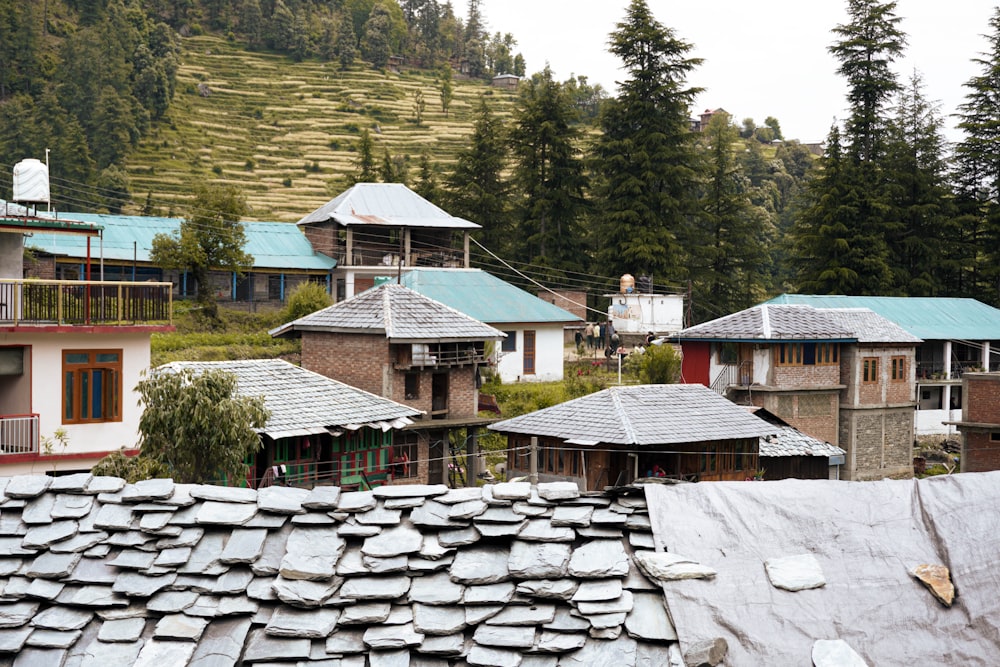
589, 333
601, 333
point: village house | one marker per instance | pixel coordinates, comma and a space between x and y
980, 422
619, 434
320, 431
533, 348
71, 353
282, 259
398, 344
959, 335
844, 376
375, 230
791, 454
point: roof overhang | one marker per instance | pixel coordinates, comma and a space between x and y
28, 224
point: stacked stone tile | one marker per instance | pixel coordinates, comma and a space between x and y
94, 571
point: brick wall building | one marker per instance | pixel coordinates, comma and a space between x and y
980, 425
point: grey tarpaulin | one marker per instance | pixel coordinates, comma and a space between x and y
866, 536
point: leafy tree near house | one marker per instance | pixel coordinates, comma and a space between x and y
365, 170
211, 237
375, 37
197, 426
447, 88
345, 44
645, 161
550, 176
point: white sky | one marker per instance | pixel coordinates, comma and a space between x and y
763, 58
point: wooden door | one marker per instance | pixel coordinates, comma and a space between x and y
529, 353
744, 375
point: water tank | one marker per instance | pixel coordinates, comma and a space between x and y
31, 182
627, 284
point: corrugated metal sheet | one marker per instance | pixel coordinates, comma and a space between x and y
929, 318
484, 297
274, 245
389, 204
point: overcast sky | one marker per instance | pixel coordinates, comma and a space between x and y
763, 58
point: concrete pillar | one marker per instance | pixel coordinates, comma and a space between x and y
986, 355
947, 359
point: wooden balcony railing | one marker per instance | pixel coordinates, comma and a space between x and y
18, 435
87, 302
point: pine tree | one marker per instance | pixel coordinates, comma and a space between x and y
549, 174
375, 43
365, 170
645, 158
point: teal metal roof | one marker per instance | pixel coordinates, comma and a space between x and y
929, 318
484, 297
274, 245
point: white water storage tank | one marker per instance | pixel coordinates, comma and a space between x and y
31, 182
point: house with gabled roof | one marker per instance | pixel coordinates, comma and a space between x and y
376, 229
533, 347
320, 431
282, 258
71, 354
845, 376
957, 334
791, 454
401, 345
616, 435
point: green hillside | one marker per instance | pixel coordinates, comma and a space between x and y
283, 131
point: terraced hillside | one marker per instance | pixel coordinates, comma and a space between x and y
283, 130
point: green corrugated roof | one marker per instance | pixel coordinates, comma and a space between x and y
930, 318
274, 245
483, 296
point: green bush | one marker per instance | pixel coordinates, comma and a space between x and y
659, 364
306, 298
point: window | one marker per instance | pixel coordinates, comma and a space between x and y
827, 354
276, 287
728, 353
898, 367
994, 436
790, 354
509, 343
92, 386
870, 370
412, 388
403, 460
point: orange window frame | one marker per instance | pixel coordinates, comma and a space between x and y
91, 384
898, 369
789, 354
827, 354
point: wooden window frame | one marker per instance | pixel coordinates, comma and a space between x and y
77, 375
788, 354
827, 354
897, 367
728, 353
870, 370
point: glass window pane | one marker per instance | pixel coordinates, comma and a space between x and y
97, 395
68, 396
77, 358
107, 357
84, 395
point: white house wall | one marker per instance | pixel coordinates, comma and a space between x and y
548, 354
46, 394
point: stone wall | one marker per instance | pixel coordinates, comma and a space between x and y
878, 441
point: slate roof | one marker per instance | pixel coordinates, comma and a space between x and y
929, 318
870, 327
302, 402
645, 415
274, 245
485, 297
770, 322
97, 572
399, 313
387, 204
789, 441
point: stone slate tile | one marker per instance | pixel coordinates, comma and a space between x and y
69, 506
260, 589
352, 562
10, 566
505, 636
148, 489
155, 522
558, 490
460, 495
549, 589
612, 621
474, 615
39, 536
237, 605
313, 519
538, 660
403, 503
366, 613
641, 540
221, 643
576, 516
80, 542
489, 594
391, 658
437, 589
97, 551
380, 516
542, 530
27, 486
103, 654
38, 510
386, 565
480, 565
205, 555
608, 517
495, 530
122, 630
206, 606
188, 537
100, 484
598, 559
16, 588
134, 610
233, 582
451, 539
537, 614
598, 590
353, 529
419, 566
304, 593
498, 515
594, 652
11, 524
172, 558
180, 627
245, 545
225, 494
343, 642
530, 510
494, 657
322, 498
438, 620
282, 499
42, 638
113, 517
311, 623
468, 509
44, 589
538, 560
452, 645
395, 541
357, 501
92, 571
550, 641
134, 584
375, 587
157, 653
511, 490
592, 498
16, 614
213, 513
130, 538
399, 614
639, 522
433, 514
311, 553
133, 560
387, 637
260, 646
649, 619
171, 602
619, 605
11, 546
186, 516
91, 596
12, 639
53, 566
410, 490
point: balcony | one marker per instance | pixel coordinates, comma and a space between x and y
84, 302
421, 355
18, 435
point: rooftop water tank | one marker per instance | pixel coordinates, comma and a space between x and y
627, 284
31, 182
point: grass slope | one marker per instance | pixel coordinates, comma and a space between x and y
285, 131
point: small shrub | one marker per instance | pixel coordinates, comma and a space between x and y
287, 182
217, 170
248, 165
306, 298
258, 114
334, 145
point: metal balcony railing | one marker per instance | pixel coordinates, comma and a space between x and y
86, 302
18, 435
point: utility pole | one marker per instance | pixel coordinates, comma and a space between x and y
533, 461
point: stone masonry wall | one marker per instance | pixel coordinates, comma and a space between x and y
879, 442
